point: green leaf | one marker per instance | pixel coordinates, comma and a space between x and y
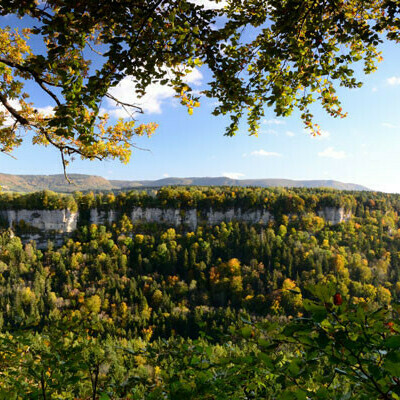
392, 367
300, 394
294, 367
393, 342
246, 321
246, 332
318, 312
263, 342
322, 340
322, 393
266, 360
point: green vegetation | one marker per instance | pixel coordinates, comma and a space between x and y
279, 201
45, 200
296, 309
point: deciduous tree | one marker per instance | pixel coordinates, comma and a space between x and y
281, 54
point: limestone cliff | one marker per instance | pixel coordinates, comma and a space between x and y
190, 218
55, 223
63, 221
334, 215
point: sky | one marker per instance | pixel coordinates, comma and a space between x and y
363, 148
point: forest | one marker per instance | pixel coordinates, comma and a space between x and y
295, 309
277, 200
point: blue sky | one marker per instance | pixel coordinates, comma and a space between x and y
363, 148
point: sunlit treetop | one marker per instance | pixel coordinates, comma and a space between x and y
282, 54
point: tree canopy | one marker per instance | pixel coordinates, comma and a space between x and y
284, 55
296, 308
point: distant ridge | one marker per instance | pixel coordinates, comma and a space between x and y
224, 181
57, 183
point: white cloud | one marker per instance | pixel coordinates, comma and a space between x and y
330, 152
274, 121
264, 153
9, 120
166, 175
47, 111
195, 77
209, 4
233, 175
393, 81
323, 134
290, 133
270, 132
389, 125
374, 89
152, 101
103, 111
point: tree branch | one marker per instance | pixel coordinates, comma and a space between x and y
148, 15
122, 103
62, 147
22, 120
40, 81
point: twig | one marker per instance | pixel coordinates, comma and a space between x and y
122, 103
8, 154
40, 81
94, 50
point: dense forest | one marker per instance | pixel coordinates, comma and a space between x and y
277, 200
296, 309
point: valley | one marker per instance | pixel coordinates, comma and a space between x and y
161, 305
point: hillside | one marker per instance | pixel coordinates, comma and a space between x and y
81, 182
224, 181
56, 183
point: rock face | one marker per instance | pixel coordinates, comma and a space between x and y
168, 216
334, 215
254, 216
192, 218
102, 217
63, 221
53, 224
42, 239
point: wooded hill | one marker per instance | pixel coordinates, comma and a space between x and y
81, 182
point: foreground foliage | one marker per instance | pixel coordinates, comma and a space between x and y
337, 352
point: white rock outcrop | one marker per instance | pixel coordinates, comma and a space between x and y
63, 221
192, 218
168, 216
103, 217
258, 216
334, 215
